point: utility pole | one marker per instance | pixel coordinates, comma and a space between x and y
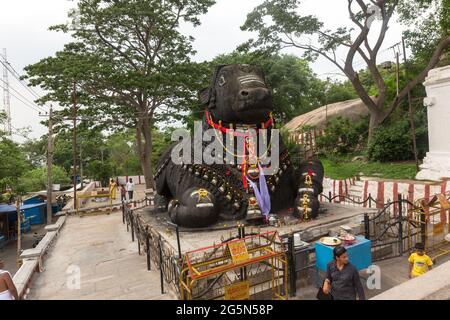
398, 71
81, 165
411, 112
74, 144
19, 231
49, 166
6, 96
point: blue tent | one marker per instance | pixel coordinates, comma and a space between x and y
5, 208
35, 212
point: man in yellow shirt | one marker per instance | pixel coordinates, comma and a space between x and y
419, 262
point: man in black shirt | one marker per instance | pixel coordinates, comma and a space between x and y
342, 279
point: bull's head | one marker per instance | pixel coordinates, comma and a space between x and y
238, 93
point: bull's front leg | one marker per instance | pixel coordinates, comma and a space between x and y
309, 187
195, 208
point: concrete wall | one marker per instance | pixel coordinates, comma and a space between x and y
434, 285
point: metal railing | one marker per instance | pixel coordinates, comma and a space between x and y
156, 249
342, 198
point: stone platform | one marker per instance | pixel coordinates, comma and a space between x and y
191, 239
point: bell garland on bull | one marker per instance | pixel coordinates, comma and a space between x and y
199, 195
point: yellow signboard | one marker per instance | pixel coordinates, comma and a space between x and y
238, 252
237, 291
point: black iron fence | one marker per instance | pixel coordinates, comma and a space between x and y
370, 201
392, 232
157, 250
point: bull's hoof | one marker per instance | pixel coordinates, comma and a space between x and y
195, 209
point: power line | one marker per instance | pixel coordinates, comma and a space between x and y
32, 104
27, 84
24, 103
17, 76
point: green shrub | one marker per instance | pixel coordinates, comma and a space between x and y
342, 136
391, 143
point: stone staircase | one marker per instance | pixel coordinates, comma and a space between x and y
355, 192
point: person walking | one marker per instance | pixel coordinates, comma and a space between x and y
419, 262
8, 290
130, 189
113, 189
342, 279
123, 193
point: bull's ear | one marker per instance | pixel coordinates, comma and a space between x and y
204, 96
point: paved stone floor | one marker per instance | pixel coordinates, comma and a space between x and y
109, 264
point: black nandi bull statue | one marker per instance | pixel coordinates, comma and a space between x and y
200, 194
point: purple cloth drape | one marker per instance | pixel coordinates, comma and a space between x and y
261, 194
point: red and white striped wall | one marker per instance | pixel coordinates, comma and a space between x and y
383, 191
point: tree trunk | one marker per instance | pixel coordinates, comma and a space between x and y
374, 123
145, 155
139, 146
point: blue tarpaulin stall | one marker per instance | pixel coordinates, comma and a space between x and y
33, 214
36, 212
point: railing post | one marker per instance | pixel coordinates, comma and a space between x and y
423, 227
366, 226
329, 195
132, 226
123, 212
400, 225
161, 274
292, 275
178, 241
370, 200
138, 233
147, 245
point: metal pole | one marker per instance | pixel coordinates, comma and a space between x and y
366, 226
19, 231
81, 166
178, 241
138, 238
329, 195
123, 212
293, 275
161, 274
400, 225
49, 166
370, 200
132, 227
74, 144
147, 244
243, 236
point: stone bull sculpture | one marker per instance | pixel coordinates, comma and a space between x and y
199, 194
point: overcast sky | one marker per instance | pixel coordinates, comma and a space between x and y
24, 33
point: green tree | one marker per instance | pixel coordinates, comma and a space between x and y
279, 25
12, 165
36, 179
130, 63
